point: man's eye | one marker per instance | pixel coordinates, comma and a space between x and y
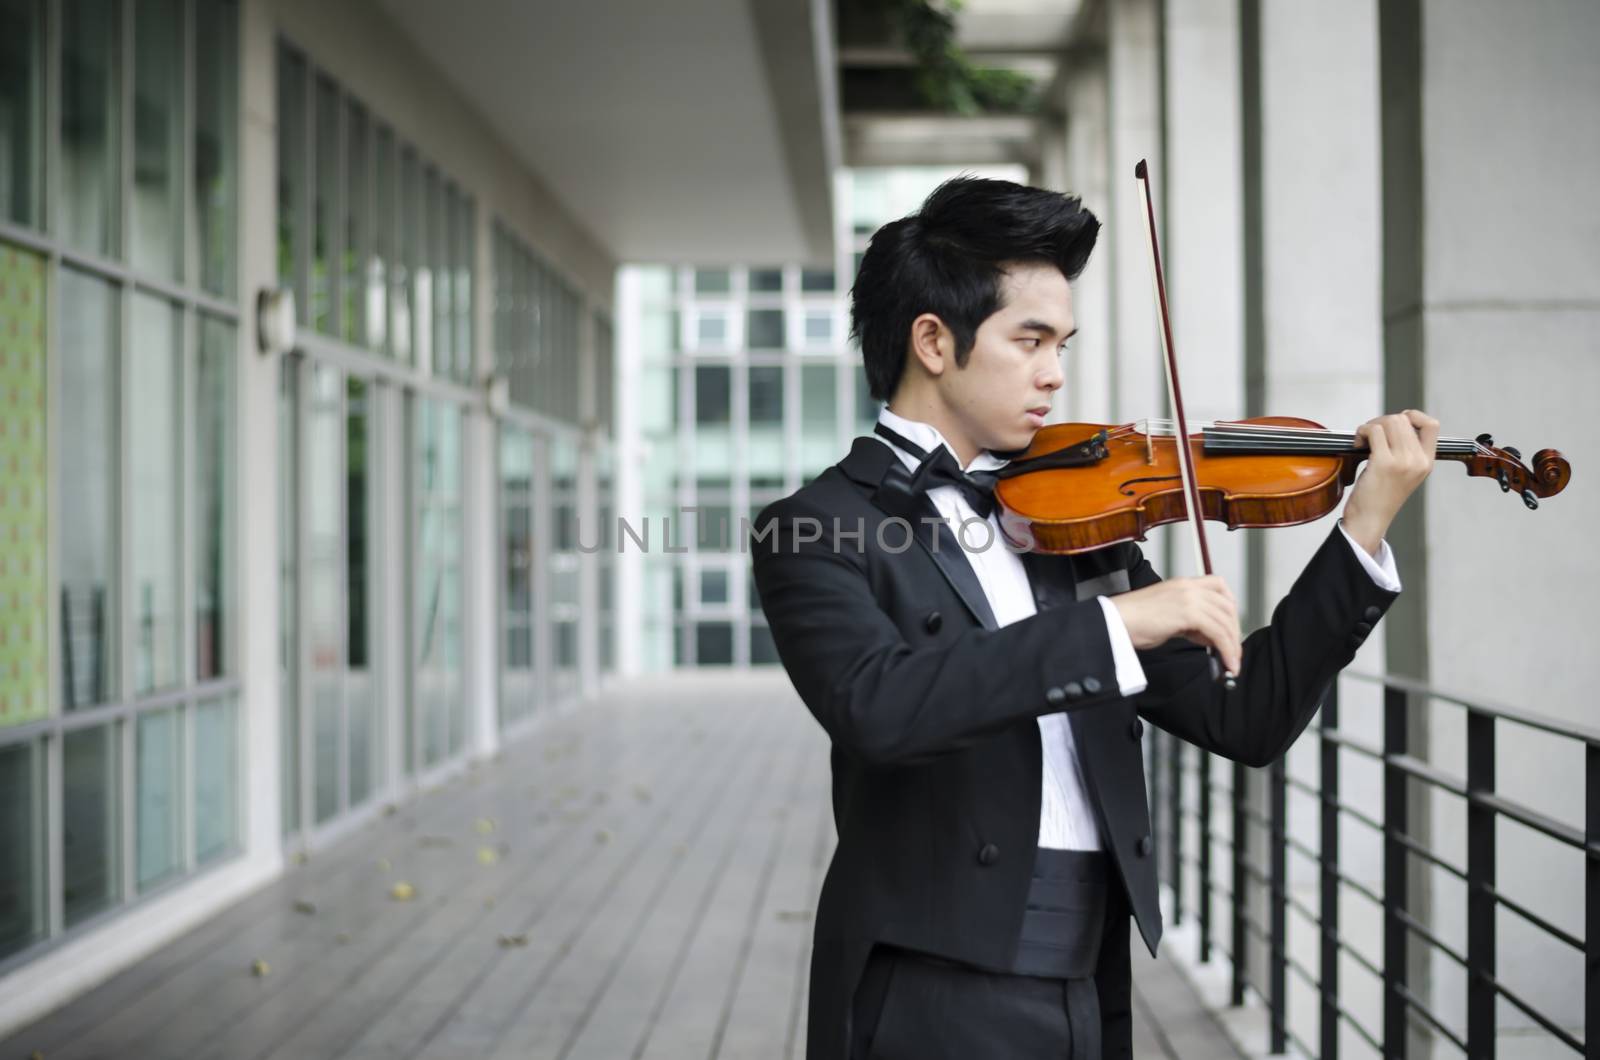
1034, 341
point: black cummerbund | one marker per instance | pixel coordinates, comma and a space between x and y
1066, 914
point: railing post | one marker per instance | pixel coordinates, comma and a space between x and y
1591, 888
1480, 888
1236, 937
1278, 850
1328, 862
1175, 822
1395, 824
1205, 856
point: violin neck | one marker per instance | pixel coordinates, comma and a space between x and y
1225, 438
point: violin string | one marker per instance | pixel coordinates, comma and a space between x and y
1226, 436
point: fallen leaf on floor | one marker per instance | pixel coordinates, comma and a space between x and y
488, 903
793, 915
384, 865
641, 793
260, 968
390, 810
513, 940
488, 855
342, 937
402, 891
303, 906
602, 836
435, 841
680, 850
301, 857
485, 825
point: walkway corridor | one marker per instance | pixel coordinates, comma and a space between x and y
634, 879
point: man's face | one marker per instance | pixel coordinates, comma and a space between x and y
1002, 395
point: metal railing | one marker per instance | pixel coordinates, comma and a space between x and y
1407, 937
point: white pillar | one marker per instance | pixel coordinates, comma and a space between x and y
1089, 367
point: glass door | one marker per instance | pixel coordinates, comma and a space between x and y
519, 535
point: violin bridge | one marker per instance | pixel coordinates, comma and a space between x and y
1149, 444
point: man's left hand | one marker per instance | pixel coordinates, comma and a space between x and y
1401, 451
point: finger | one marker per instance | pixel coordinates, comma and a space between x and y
1231, 643
1377, 443
1428, 428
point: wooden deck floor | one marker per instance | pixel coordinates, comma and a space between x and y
633, 880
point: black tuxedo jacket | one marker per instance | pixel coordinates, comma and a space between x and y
931, 710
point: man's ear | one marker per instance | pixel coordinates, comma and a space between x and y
931, 344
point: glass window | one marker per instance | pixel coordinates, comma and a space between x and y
157, 783
816, 280
323, 578
819, 327
762, 648
376, 310
819, 418
24, 480
765, 280
213, 501
463, 251
714, 643
713, 586
216, 103
439, 232
156, 206
86, 531
90, 822
22, 917
766, 394
291, 173
402, 278
153, 518
711, 398
216, 781
437, 594
90, 117
323, 215
712, 332
867, 406
712, 281
353, 245
764, 329
21, 109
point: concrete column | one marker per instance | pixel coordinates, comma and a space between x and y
1312, 330
1136, 131
629, 587
1491, 316
1088, 170
256, 428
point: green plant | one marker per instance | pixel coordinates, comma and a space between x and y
945, 78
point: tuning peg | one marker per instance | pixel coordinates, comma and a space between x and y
1516, 454
1484, 439
1500, 475
1530, 500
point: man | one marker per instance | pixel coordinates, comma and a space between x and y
984, 703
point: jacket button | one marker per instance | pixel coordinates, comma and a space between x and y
1073, 690
1363, 628
1136, 729
1090, 685
1142, 847
933, 622
1054, 696
1355, 641
989, 854
1373, 613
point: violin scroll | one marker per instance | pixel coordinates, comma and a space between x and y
1547, 477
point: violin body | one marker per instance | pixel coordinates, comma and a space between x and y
1084, 486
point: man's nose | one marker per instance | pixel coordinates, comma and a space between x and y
1052, 378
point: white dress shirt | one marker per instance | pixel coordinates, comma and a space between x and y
1066, 819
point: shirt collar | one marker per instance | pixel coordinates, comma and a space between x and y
928, 437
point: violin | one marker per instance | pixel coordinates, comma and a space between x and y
1083, 486
1079, 487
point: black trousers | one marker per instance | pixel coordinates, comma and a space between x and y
917, 1006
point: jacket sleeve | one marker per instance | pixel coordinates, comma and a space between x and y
886, 700
1288, 665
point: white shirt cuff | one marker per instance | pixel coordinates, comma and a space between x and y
1381, 568
1130, 675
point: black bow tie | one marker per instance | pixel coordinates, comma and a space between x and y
938, 468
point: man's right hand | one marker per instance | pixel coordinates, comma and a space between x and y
1201, 609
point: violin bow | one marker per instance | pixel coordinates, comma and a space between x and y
1191, 492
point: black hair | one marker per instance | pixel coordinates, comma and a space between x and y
947, 259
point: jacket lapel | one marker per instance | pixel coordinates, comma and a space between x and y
865, 465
